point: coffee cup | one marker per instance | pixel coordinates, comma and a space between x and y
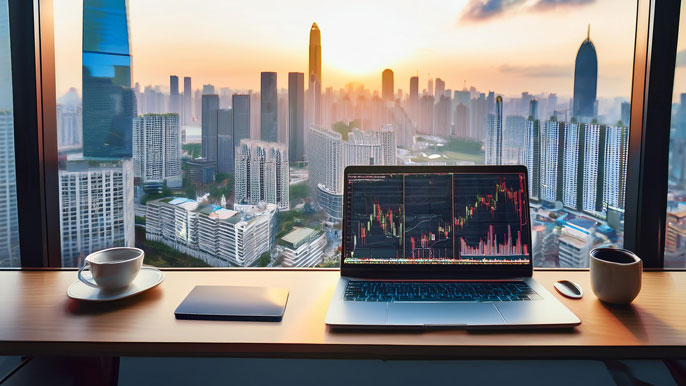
615, 275
113, 268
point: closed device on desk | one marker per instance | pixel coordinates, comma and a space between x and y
234, 303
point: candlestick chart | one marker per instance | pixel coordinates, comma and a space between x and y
491, 221
376, 218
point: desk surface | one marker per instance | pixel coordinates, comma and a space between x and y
36, 317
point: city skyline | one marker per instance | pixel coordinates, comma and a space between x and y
357, 52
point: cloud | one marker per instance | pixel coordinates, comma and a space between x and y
481, 10
538, 71
681, 58
478, 10
544, 5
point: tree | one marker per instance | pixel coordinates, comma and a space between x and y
263, 260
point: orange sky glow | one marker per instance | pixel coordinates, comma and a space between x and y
227, 43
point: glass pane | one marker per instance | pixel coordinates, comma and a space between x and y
9, 224
675, 235
224, 143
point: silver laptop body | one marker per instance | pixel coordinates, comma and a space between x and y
419, 242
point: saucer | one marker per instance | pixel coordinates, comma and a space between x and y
147, 278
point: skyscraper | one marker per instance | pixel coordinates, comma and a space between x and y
174, 96
315, 73
585, 80
241, 117
494, 140
296, 116
262, 174
440, 88
533, 159
187, 117
387, 84
157, 149
210, 105
626, 113
225, 141
414, 98
533, 109
108, 101
269, 128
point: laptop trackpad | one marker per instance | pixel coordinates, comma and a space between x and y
443, 314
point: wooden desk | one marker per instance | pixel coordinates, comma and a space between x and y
37, 318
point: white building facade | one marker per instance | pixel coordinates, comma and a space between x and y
157, 149
96, 208
262, 174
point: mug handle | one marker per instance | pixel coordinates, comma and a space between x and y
81, 278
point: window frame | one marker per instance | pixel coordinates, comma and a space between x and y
33, 66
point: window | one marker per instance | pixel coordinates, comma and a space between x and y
9, 224
224, 142
675, 234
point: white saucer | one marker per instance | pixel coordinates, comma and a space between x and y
147, 278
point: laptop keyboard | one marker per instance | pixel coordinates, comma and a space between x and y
388, 291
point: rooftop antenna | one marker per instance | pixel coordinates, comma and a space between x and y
588, 36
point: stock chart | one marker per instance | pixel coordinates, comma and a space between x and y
437, 218
491, 222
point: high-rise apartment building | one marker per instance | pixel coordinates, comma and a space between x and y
614, 178
157, 149
210, 106
9, 222
514, 140
585, 81
387, 89
296, 116
572, 165
262, 174
461, 121
269, 108
414, 98
96, 208
550, 150
626, 113
69, 128
107, 126
593, 168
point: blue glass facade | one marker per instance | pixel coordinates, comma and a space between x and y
585, 80
109, 104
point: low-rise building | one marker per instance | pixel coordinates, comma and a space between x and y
220, 237
303, 247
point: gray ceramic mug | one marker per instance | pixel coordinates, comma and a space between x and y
113, 268
615, 275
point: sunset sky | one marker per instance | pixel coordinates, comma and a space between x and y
508, 46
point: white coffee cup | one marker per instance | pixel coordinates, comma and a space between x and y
615, 275
113, 268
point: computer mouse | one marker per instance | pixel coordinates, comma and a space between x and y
569, 289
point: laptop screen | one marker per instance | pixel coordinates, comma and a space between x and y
436, 218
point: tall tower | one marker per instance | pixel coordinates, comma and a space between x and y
387, 84
210, 106
585, 80
296, 116
187, 101
109, 104
494, 140
269, 108
315, 72
174, 96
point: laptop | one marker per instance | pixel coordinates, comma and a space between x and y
439, 246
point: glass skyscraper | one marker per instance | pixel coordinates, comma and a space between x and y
585, 80
108, 100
